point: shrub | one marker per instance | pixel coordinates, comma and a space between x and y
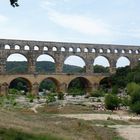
125, 101
132, 87
60, 96
114, 90
97, 93
76, 92
111, 102
13, 91
50, 98
136, 107
31, 98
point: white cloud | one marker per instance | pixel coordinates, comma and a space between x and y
80, 23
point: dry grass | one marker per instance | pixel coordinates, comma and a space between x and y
43, 123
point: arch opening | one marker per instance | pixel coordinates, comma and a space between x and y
17, 47
36, 48
105, 84
93, 50
79, 86
26, 47
101, 65
45, 63
49, 85
101, 51
20, 85
122, 62
86, 50
16, 63
74, 64
54, 49
115, 51
70, 49
63, 49
78, 50
7, 47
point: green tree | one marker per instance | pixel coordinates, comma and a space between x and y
111, 102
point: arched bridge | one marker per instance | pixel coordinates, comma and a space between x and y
59, 51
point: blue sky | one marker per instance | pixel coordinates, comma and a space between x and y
93, 21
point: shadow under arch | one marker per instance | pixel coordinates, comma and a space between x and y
79, 86
74, 64
45, 63
51, 84
105, 83
21, 84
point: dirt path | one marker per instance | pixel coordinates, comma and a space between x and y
100, 116
129, 132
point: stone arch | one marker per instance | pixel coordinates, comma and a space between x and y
54, 49
86, 50
63, 49
105, 83
17, 47
78, 50
108, 50
36, 48
7, 47
54, 80
74, 60
21, 83
130, 51
15, 61
45, 48
116, 51
45, 63
85, 85
93, 50
122, 61
101, 50
71, 49
16, 57
137, 51
26, 47
123, 51
102, 60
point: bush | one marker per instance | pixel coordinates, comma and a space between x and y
60, 96
111, 102
125, 101
136, 107
50, 98
76, 92
13, 91
132, 87
97, 93
115, 90
31, 98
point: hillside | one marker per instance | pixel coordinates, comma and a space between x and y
43, 66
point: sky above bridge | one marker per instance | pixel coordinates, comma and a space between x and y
93, 21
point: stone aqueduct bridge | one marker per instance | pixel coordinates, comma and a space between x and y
60, 51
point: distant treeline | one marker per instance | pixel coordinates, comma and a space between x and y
46, 66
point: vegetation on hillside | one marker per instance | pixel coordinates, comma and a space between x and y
47, 66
